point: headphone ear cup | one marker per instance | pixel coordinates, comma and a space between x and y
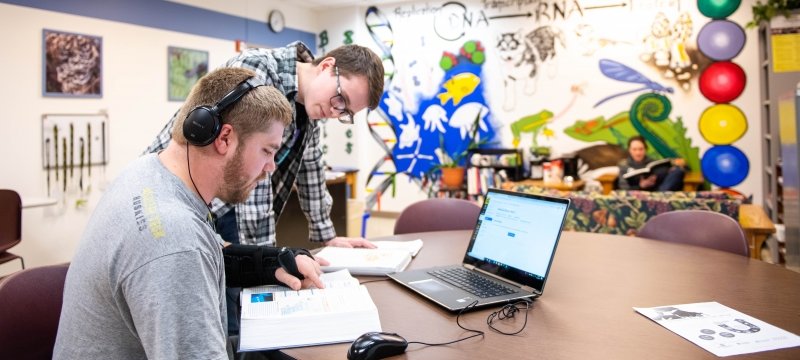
202, 126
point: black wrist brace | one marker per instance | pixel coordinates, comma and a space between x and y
252, 265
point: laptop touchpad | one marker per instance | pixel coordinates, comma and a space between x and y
430, 285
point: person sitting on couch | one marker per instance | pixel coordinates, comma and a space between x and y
660, 178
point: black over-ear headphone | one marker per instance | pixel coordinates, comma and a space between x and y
204, 123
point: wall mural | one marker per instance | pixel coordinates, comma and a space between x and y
444, 123
522, 67
648, 116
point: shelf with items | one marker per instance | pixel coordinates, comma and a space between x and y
490, 168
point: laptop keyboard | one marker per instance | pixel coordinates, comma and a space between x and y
471, 282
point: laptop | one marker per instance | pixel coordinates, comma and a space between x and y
508, 258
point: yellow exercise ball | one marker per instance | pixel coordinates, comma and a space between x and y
722, 124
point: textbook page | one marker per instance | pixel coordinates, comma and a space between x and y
275, 317
719, 329
362, 261
411, 246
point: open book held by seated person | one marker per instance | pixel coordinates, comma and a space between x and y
666, 176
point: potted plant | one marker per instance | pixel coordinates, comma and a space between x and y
452, 172
767, 10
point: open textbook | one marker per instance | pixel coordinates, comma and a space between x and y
647, 169
389, 257
275, 317
719, 329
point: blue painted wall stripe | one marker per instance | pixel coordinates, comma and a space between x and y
171, 16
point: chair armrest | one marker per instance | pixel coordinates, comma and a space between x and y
757, 226
692, 180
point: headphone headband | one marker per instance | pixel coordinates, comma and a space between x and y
203, 124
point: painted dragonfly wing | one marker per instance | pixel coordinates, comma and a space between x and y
621, 72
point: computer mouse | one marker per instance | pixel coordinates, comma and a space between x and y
377, 345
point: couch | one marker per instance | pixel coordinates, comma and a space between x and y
624, 212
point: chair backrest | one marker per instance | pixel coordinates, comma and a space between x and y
698, 227
10, 219
30, 307
437, 215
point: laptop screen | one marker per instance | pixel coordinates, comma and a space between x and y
516, 236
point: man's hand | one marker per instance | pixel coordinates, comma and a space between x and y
310, 270
347, 242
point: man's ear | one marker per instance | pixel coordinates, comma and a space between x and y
226, 140
326, 63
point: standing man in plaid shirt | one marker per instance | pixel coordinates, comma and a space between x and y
338, 85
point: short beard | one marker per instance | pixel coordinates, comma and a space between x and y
234, 189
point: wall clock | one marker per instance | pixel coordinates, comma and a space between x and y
276, 21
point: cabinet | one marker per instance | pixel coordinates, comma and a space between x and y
292, 227
490, 168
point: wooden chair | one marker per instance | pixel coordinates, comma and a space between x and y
437, 215
698, 227
31, 307
10, 225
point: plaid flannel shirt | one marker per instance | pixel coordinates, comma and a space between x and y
300, 156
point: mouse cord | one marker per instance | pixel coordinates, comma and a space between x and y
477, 332
508, 311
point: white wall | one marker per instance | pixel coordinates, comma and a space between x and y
134, 96
297, 17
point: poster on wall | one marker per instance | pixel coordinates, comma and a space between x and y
186, 66
72, 64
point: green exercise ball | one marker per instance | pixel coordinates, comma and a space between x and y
718, 9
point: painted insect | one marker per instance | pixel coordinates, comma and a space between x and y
621, 72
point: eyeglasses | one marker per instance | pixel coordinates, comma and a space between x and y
339, 103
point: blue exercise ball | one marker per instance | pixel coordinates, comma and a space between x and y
725, 165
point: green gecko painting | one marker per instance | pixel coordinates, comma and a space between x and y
664, 135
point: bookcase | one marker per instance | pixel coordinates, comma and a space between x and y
780, 115
490, 168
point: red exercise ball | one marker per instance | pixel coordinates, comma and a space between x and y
722, 82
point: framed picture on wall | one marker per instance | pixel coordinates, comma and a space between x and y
72, 64
185, 67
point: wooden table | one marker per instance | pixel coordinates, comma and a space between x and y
586, 309
350, 175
